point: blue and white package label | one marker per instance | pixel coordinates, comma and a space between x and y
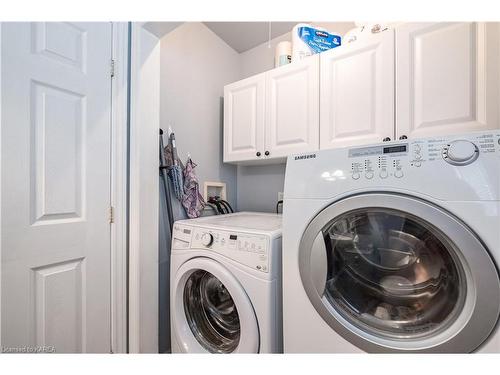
317, 40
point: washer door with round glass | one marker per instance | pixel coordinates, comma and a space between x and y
212, 312
394, 273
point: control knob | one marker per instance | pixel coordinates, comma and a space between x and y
398, 173
460, 152
207, 239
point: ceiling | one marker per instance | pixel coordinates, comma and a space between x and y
160, 29
242, 36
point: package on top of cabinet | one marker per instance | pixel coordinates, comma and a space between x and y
308, 40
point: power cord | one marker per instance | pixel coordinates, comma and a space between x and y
227, 206
278, 206
223, 206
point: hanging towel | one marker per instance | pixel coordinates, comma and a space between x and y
174, 172
192, 201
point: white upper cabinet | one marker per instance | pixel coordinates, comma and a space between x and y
292, 108
446, 78
417, 80
244, 116
357, 92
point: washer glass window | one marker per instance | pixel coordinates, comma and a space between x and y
392, 274
211, 313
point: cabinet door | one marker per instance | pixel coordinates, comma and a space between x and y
447, 78
244, 119
357, 92
292, 106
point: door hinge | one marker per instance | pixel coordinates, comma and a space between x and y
111, 215
112, 68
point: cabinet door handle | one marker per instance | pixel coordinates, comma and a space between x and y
386, 139
266, 153
258, 154
403, 137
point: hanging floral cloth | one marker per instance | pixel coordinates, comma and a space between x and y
192, 200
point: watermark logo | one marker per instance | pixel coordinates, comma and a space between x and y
29, 349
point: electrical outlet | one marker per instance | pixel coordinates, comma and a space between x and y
280, 195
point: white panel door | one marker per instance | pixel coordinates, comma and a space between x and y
447, 78
244, 119
56, 100
292, 108
357, 92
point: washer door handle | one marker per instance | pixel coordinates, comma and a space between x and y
319, 264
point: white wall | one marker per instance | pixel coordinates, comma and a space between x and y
195, 66
258, 187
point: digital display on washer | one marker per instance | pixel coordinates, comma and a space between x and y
233, 236
377, 150
187, 231
392, 149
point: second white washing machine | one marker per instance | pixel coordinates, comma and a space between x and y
394, 247
226, 284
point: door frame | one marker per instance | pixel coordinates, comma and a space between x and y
1, 25
118, 193
119, 186
144, 190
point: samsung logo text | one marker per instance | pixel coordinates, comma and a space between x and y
303, 157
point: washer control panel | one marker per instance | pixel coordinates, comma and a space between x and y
378, 161
393, 160
245, 248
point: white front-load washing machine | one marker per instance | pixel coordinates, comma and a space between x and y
226, 284
394, 247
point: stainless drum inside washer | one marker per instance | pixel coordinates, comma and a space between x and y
211, 313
